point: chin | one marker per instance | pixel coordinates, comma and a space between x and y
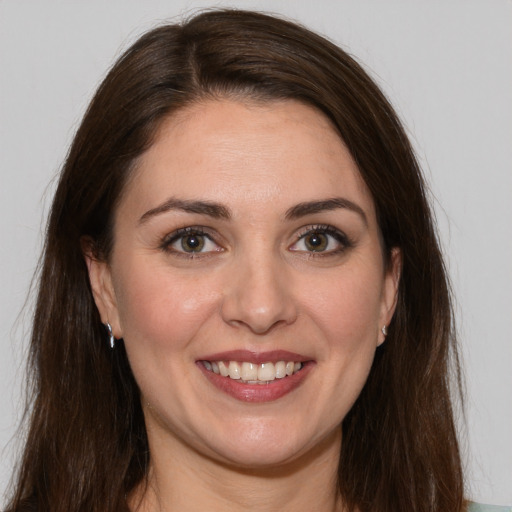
263, 447
261, 458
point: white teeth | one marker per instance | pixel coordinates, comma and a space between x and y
249, 371
223, 369
280, 369
252, 373
267, 371
234, 370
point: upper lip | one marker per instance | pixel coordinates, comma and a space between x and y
256, 357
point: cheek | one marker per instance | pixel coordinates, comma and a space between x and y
347, 306
161, 311
346, 311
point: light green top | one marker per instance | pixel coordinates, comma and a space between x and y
477, 507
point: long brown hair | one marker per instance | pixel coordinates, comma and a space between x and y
87, 446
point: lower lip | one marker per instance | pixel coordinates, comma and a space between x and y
258, 392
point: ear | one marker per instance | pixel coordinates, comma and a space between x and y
100, 277
390, 291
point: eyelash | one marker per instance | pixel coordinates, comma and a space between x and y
324, 229
167, 243
341, 238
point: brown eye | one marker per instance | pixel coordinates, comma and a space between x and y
322, 241
316, 242
192, 243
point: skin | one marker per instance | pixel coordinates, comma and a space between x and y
256, 285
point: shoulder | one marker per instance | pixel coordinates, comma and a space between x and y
477, 507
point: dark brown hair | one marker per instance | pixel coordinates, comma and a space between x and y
87, 446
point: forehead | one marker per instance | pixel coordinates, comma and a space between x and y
247, 154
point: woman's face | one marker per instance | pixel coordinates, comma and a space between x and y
246, 244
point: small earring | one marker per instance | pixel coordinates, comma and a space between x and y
384, 330
111, 338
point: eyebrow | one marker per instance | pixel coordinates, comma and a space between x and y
311, 207
209, 208
219, 211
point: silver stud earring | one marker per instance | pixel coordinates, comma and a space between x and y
384, 330
111, 338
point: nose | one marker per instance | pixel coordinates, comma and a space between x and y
259, 295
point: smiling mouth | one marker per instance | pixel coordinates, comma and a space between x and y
253, 373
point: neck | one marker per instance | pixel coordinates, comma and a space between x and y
182, 479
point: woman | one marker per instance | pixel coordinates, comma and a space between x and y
242, 302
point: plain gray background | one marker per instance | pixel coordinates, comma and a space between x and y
447, 68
